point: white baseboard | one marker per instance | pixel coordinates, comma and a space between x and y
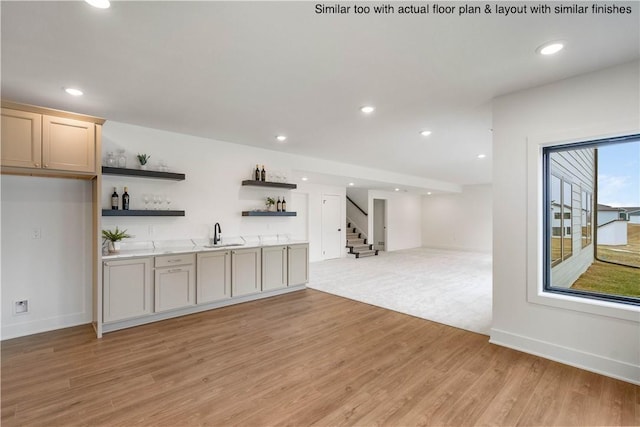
569, 356
44, 325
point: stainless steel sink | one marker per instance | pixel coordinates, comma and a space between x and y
225, 245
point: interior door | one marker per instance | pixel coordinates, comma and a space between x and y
379, 224
332, 243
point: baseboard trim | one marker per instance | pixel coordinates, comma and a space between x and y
44, 325
568, 356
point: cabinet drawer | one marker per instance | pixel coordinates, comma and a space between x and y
172, 260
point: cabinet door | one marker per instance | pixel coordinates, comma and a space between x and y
68, 144
213, 276
298, 264
274, 267
127, 289
21, 139
175, 287
245, 271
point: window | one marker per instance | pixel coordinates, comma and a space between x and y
591, 244
561, 203
585, 218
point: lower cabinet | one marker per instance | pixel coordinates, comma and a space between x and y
175, 286
128, 289
297, 264
246, 271
274, 267
213, 277
139, 287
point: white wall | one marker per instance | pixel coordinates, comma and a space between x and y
461, 221
212, 191
613, 233
54, 272
404, 219
601, 103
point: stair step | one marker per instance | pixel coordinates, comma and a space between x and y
354, 242
363, 247
353, 236
370, 252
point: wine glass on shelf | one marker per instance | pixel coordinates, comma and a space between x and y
157, 199
146, 198
167, 200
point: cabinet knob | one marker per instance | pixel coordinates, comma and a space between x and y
36, 165
46, 165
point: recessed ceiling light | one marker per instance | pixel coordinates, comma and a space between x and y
550, 48
425, 133
367, 109
304, 178
429, 193
281, 138
482, 156
73, 91
100, 4
397, 189
351, 184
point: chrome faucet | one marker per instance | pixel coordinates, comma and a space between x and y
217, 233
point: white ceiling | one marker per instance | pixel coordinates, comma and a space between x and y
244, 72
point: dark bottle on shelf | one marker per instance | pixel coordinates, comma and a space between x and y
263, 174
257, 174
115, 200
125, 200
284, 204
279, 205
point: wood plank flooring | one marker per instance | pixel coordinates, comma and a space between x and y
301, 359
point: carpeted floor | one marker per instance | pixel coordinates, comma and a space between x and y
450, 287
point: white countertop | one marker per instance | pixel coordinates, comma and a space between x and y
144, 249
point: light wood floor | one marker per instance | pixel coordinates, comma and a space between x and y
306, 358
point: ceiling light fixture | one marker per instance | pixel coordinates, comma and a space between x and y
428, 193
304, 178
550, 48
351, 184
100, 4
425, 133
73, 91
397, 189
367, 109
482, 156
281, 138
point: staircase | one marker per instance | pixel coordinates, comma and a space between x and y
357, 244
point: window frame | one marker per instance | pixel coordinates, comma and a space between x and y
535, 229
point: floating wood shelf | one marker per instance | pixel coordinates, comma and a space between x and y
263, 213
143, 173
114, 212
270, 184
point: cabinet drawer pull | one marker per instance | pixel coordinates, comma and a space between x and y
174, 270
174, 260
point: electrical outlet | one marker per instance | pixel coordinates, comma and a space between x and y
36, 233
21, 307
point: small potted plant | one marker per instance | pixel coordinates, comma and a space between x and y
271, 204
143, 159
113, 239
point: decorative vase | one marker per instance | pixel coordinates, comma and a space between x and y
143, 167
114, 247
271, 208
